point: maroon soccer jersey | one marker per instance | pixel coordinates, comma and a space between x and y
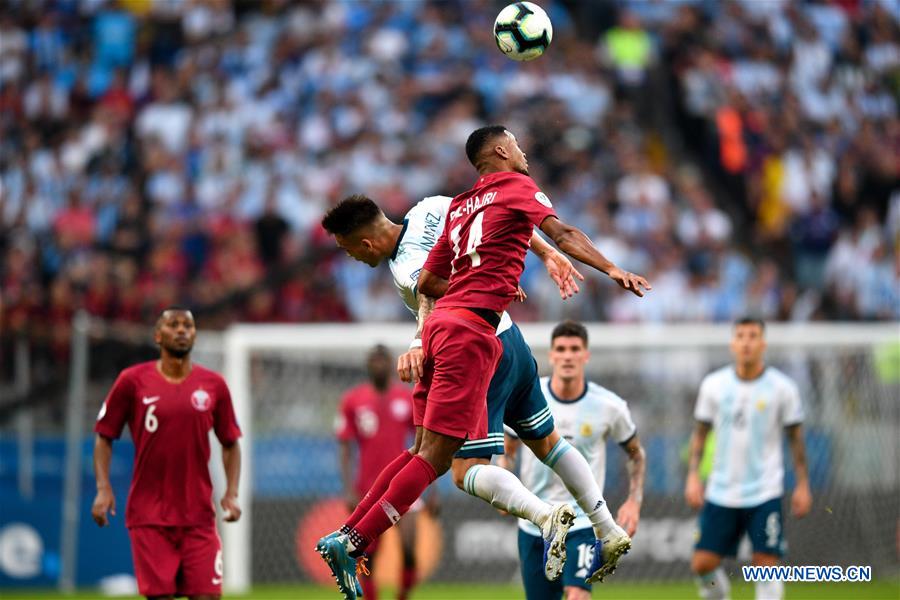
482, 250
169, 424
381, 424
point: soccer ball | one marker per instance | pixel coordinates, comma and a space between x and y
523, 31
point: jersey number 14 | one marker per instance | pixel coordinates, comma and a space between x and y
473, 242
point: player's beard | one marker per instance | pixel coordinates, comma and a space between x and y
175, 352
380, 382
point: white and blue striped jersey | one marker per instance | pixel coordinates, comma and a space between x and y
422, 226
586, 423
748, 418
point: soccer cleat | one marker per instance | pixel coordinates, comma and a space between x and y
554, 532
320, 545
606, 554
343, 567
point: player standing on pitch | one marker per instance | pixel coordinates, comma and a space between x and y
586, 415
170, 405
494, 222
748, 404
377, 417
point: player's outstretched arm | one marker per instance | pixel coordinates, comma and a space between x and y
558, 266
801, 499
231, 460
576, 244
693, 487
630, 512
105, 500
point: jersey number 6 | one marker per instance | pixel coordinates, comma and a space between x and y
473, 243
150, 420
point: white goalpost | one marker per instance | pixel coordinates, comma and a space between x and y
286, 380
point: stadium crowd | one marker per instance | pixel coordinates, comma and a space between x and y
744, 156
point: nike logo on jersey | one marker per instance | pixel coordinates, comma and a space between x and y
216, 580
150, 399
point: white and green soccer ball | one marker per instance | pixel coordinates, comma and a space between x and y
523, 31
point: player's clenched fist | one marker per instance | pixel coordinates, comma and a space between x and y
231, 508
409, 366
104, 502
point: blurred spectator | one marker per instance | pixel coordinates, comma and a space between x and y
177, 151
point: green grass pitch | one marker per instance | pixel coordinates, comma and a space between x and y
880, 590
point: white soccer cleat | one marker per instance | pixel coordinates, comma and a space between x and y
554, 532
613, 546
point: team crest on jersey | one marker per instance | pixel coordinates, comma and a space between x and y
586, 429
400, 408
543, 199
201, 400
366, 422
761, 404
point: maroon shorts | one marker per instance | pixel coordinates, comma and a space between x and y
461, 354
177, 561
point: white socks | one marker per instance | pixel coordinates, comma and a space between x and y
769, 590
503, 490
578, 478
715, 585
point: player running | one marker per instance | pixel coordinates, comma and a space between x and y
494, 222
376, 416
586, 415
170, 405
748, 404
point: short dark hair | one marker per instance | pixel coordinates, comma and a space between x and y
750, 320
570, 328
174, 307
479, 138
350, 214
379, 350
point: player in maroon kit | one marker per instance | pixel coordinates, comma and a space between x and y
482, 254
377, 417
169, 406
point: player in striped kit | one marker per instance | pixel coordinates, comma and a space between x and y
586, 415
748, 404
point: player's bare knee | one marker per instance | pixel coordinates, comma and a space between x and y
573, 592
762, 559
459, 468
438, 449
704, 562
542, 447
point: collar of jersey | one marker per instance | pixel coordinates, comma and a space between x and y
583, 393
754, 380
400, 239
